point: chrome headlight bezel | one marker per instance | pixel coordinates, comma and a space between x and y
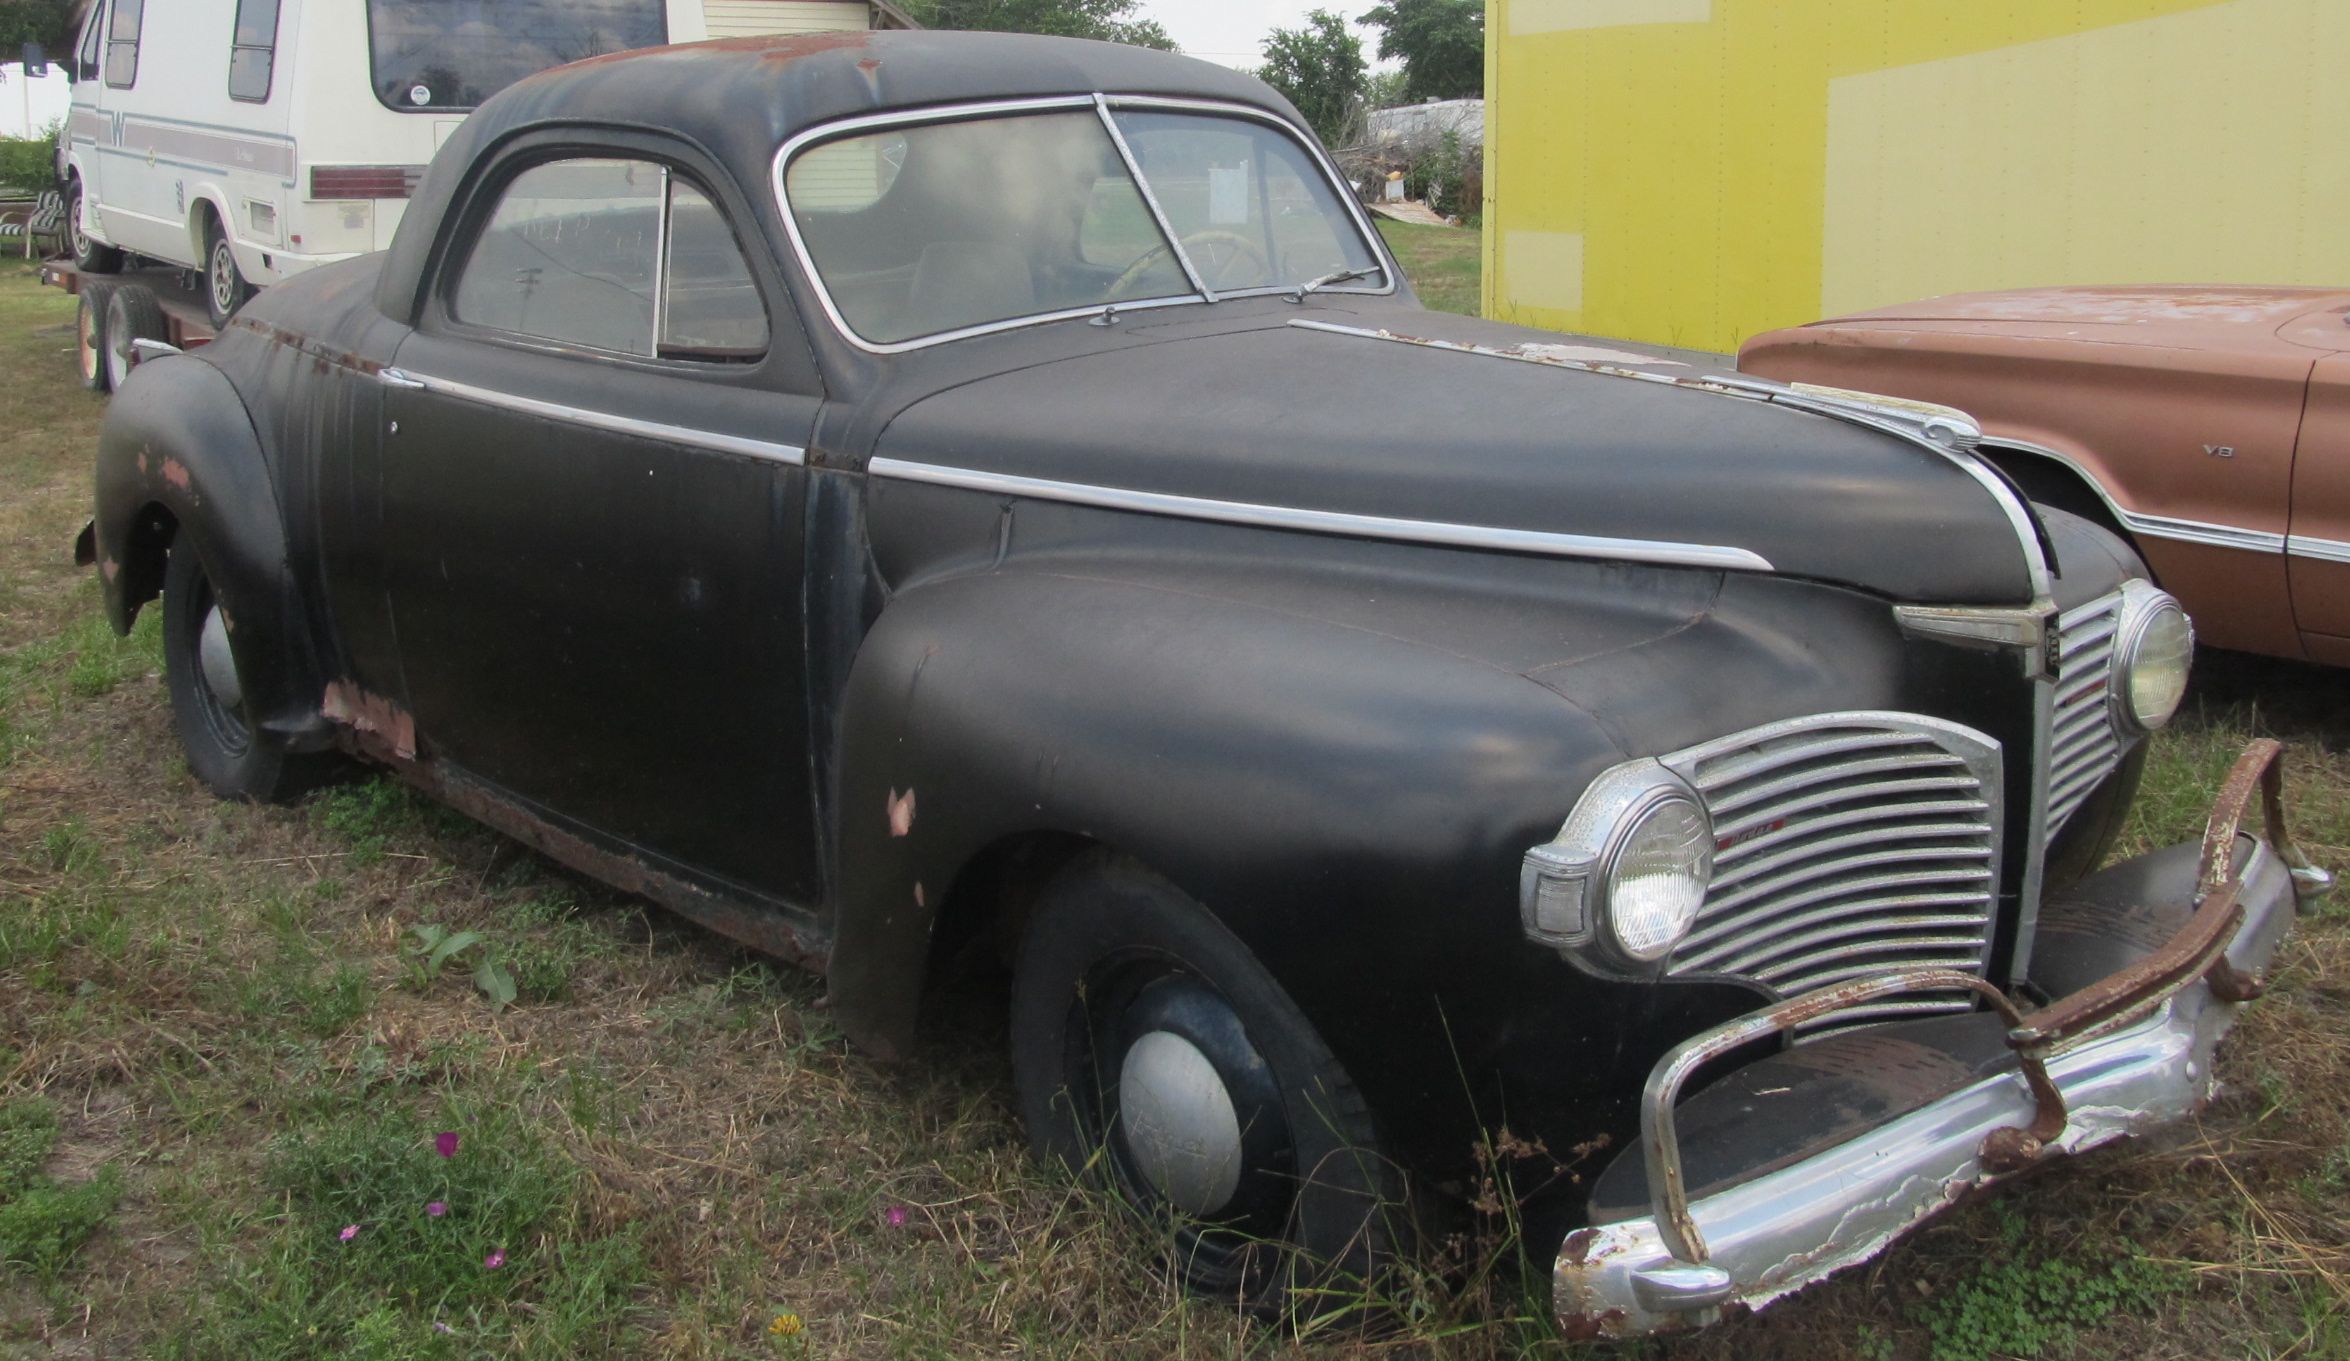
1567, 886
2144, 606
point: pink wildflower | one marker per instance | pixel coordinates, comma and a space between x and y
435, 1208
350, 1231
896, 1216
496, 1259
445, 1143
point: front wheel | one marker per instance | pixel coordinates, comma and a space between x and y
206, 679
90, 255
1151, 1048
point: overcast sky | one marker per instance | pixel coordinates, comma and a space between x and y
1233, 31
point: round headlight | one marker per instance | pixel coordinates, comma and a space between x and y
2154, 648
1657, 877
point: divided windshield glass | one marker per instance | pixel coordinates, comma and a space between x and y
923, 230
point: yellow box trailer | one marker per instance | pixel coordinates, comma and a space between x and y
1692, 172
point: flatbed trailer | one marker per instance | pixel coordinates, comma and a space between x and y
152, 303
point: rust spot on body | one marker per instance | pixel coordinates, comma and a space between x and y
901, 813
372, 716
111, 568
176, 473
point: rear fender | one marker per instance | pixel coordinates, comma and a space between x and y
178, 459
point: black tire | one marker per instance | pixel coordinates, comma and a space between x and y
1114, 955
132, 313
90, 256
90, 332
225, 289
224, 753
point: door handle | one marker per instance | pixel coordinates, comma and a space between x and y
398, 379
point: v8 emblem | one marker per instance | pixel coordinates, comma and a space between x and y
2220, 450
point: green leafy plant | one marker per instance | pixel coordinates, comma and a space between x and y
43, 1223
2030, 1304
436, 946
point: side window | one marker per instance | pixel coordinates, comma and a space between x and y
252, 56
85, 59
122, 43
612, 255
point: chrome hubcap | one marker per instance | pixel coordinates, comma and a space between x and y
218, 665
1179, 1124
224, 276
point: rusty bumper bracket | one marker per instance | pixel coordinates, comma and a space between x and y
1686, 1288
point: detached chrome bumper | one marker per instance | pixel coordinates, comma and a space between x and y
2122, 1051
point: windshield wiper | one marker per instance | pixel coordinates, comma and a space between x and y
1336, 276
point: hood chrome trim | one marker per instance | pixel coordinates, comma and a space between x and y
1541, 543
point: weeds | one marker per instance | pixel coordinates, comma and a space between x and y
437, 946
43, 1224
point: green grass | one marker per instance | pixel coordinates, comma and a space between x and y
1445, 264
212, 1062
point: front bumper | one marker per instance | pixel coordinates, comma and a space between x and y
2150, 962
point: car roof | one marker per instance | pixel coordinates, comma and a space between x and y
739, 99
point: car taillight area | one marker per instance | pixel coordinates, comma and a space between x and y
364, 181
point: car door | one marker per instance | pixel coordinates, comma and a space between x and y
592, 512
2318, 548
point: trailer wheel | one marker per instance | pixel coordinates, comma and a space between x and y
225, 289
89, 255
90, 332
133, 313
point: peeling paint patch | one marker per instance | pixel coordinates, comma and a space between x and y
918, 894
176, 473
901, 812
142, 460
111, 568
362, 712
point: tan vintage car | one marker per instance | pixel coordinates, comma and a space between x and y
2209, 425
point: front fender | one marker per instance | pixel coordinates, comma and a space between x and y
178, 455
1312, 783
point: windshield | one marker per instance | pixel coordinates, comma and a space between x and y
931, 229
453, 54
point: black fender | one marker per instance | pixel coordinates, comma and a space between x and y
178, 454
1247, 753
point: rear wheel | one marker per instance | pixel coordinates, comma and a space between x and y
1153, 1050
225, 289
132, 313
208, 707
90, 333
89, 255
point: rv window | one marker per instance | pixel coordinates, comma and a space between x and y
122, 44
453, 54
252, 56
85, 63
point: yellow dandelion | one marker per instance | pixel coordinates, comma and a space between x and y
785, 1325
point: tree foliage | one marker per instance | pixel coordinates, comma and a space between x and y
1441, 44
1320, 69
47, 22
1108, 20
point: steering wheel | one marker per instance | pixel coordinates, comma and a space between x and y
1213, 253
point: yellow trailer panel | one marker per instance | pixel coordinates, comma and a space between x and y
1693, 172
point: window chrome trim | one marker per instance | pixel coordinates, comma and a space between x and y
1150, 200
715, 441
2208, 533
956, 113
1542, 543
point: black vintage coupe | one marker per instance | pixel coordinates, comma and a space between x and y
885, 494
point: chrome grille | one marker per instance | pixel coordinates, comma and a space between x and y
2083, 748
1847, 844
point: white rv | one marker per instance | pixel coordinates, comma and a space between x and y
254, 139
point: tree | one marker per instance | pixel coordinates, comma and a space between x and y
1441, 44
1104, 19
47, 22
1320, 69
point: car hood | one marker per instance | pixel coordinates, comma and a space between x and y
1358, 422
